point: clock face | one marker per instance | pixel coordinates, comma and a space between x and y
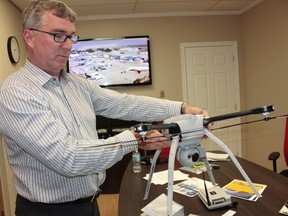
13, 49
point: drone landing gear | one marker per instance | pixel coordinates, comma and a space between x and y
187, 148
191, 129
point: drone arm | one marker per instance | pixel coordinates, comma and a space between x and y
264, 110
172, 127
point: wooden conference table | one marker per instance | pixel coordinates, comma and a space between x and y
273, 198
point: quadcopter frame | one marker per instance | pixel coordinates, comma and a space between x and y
187, 132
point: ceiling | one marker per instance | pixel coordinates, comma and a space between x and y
105, 9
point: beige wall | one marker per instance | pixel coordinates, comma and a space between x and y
265, 39
10, 23
262, 37
165, 34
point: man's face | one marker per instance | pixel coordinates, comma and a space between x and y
43, 51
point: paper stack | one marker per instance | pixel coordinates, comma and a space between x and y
158, 207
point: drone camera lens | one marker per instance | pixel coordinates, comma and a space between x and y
195, 157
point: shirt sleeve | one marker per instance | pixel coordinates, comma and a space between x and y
32, 129
131, 107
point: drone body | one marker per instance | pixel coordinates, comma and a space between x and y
192, 131
187, 131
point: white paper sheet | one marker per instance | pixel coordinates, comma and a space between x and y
161, 178
158, 207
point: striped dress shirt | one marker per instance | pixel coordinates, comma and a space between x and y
49, 128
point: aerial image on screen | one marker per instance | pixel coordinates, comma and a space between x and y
112, 62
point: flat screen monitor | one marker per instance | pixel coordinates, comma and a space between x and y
121, 61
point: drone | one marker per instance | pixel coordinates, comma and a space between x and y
186, 132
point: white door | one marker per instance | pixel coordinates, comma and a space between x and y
210, 80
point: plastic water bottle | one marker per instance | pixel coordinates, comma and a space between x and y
136, 161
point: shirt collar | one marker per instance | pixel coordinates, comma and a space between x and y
41, 76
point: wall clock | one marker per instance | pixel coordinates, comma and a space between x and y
13, 49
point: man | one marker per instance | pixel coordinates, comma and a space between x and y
48, 120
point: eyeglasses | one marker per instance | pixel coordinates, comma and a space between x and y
59, 38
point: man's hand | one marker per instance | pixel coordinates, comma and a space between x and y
188, 109
153, 140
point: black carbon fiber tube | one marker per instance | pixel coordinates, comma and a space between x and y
263, 109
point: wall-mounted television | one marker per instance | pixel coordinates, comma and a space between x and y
123, 61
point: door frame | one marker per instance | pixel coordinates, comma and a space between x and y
233, 44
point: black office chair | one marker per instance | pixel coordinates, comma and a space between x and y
275, 155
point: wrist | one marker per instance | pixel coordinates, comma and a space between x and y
182, 109
136, 135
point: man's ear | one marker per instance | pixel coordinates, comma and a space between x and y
28, 36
